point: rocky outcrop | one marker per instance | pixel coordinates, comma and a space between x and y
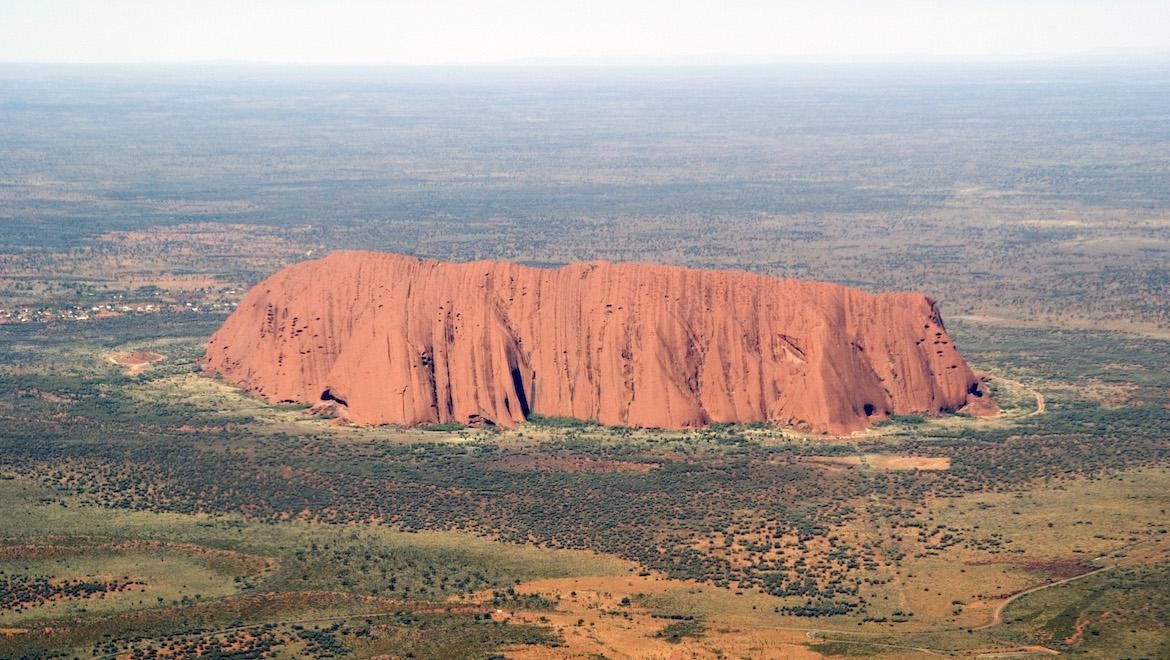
392, 339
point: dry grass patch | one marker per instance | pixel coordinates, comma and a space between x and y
567, 463
1080, 519
623, 616
143, 577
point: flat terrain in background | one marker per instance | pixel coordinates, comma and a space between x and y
147, 509
1036, 193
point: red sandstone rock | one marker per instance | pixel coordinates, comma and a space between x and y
401, 340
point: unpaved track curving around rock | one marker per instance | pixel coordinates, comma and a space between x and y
1041, 404
997, 613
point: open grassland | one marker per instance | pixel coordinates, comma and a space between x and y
730, 540
101, 580
1088, 519
1122, 612
289, 551
190, 576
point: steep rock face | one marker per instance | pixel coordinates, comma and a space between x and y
401, 340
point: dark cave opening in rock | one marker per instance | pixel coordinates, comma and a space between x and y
330, 395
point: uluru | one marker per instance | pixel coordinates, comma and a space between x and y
394, 339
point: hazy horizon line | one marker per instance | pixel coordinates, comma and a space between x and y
1091, 57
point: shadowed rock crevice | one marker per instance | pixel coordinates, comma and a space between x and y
518, 386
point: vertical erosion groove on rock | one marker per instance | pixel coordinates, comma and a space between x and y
392, 339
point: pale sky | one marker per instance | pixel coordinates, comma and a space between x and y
494, 31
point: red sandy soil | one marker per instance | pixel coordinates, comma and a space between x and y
1080, 631
406, 341
137, 361
138, 357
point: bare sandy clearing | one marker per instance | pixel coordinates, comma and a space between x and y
136, 361
886, 461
